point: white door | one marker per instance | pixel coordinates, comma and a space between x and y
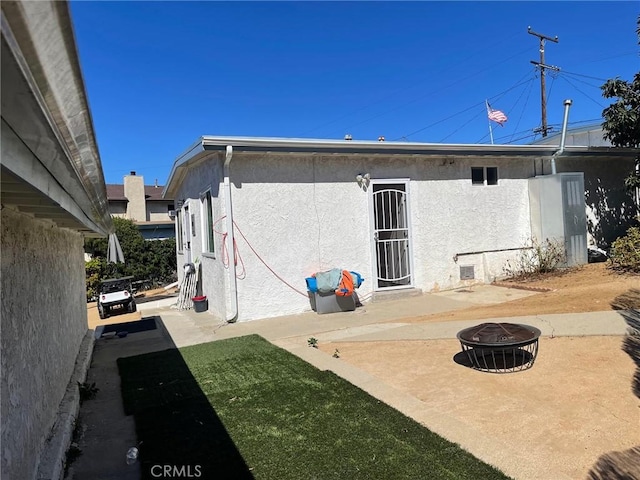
391, 235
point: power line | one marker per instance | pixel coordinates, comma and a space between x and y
472, 55
586, 83
461, 126
432, 93
495, 98
612, 56
592, 120
526, 102
458, 113
585, 76
570, 83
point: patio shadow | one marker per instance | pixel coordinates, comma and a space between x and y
170, 408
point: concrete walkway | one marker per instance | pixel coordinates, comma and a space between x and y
375, 322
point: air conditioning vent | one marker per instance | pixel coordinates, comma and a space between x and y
467, 272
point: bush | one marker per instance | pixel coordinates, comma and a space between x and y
95, 270
539, 258
153, 261
625, 252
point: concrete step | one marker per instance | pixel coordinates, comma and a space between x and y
395, 294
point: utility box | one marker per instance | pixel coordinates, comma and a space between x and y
558, 213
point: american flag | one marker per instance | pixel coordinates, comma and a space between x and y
496, 115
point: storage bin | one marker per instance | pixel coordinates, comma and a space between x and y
200, 304
312, 284
331, 303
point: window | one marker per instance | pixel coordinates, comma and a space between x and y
170, 207
179, 230
484, 175
207, 222
477, 175
492, 175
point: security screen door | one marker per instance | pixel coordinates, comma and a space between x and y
389, 210
186, 218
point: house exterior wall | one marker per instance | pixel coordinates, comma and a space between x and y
158, 211
44, 320
306, 213
611, 209
118, 209
214, 281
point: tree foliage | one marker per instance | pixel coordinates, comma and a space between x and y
622, 118
151, 261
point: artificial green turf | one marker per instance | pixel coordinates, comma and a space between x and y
243, 408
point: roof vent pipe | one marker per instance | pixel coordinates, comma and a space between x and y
563, 136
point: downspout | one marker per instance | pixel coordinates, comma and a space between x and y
233, 282
563, 137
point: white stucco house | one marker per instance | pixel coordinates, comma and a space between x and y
404, 215
52, 196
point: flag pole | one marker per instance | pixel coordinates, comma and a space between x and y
490, 129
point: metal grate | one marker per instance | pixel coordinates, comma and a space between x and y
500, 347
467, 272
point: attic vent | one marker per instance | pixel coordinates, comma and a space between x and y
467, 272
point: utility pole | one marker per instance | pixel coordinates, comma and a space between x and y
543, 93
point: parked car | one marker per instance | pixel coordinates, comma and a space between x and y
115, 293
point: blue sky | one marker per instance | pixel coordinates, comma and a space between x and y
161, 74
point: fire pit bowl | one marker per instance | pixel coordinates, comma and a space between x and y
500, 347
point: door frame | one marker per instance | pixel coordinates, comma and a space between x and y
187, 233
372, 240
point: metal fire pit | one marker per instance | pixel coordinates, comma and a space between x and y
500, 347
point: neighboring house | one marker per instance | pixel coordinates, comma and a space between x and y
143, 204
52, 195
404, 215
590, 136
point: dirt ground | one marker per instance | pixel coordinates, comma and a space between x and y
550, 422
94, 320
590, 288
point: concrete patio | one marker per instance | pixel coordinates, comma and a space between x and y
550, 422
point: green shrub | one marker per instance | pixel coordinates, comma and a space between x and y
153, 261
95, 270
540, 257
625, 252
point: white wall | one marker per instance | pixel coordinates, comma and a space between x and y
301, 215
44, 320
305, 214
214, 280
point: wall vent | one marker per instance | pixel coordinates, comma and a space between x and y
467, 272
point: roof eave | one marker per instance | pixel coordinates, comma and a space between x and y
195, 150
34, 31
